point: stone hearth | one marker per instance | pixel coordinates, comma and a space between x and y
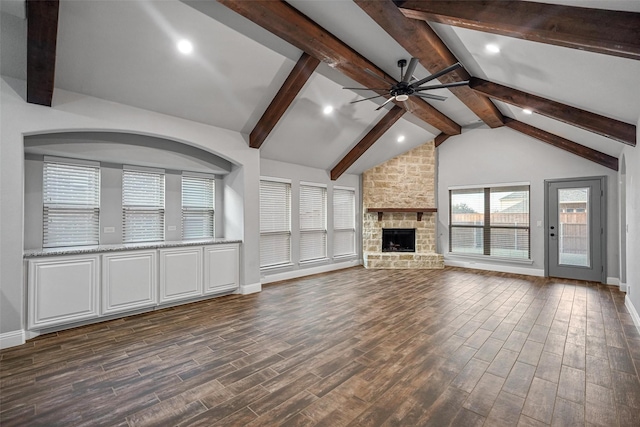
406, 181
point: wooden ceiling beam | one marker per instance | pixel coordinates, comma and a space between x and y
365, 143
290, 88
291, 25
564, 144
440, 139
610, 128
608, 32
417, 38
42, 34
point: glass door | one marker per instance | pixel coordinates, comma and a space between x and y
575, 229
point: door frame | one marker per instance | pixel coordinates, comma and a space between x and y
603, 216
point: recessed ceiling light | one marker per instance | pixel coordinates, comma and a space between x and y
400, 138
492, 48
527, 111
185, 46
328, 110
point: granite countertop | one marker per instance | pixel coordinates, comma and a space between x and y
76, 250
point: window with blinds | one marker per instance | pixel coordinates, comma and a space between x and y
198, 201
142, 206
491, 221
275, 223
344, 221
313, 222
71, 201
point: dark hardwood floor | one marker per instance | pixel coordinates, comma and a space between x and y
355, 347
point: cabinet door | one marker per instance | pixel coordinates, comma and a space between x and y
221, 268
62, 290
180, 273
128, 281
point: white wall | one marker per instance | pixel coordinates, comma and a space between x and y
495, 156
632, 161
75, 112
296, 173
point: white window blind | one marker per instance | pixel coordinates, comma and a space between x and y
275, 223
313, 222
198, 196
71, 200
142, 206
491, 221
344, 222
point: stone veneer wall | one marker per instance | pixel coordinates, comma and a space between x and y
406, 181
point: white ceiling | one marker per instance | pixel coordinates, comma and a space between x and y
124, 51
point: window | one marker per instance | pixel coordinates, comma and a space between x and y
198, 196
275, 223
142, 206
71, 200
490, 221
313, 222
344, 221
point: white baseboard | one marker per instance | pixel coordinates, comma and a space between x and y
11, 339
251, 288
613, 281
309, 271
632, 311
495, 267
623, 287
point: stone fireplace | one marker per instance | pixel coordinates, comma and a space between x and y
400, 195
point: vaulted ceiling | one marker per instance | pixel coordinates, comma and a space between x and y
268, 69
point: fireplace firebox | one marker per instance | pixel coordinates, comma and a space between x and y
398, 240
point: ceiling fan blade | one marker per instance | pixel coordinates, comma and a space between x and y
410, 69
436, 75
366, 88
386, 102
442, 86
429, 96
364, 99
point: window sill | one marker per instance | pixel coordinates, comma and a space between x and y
487, 258
275, 267
345, 256
314, 261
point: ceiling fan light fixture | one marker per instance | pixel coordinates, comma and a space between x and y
402, 97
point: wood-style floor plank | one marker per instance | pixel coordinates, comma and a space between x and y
350, 348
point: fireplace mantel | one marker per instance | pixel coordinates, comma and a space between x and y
418, 211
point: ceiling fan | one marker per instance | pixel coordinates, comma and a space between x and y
405, 88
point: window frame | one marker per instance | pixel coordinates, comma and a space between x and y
310, 231
51, 209
486, 228
132, 211
198, 211
352, 229
285, 232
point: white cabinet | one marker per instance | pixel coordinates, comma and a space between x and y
129, 281
180, 273
62, 290
66, 289
221, 268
